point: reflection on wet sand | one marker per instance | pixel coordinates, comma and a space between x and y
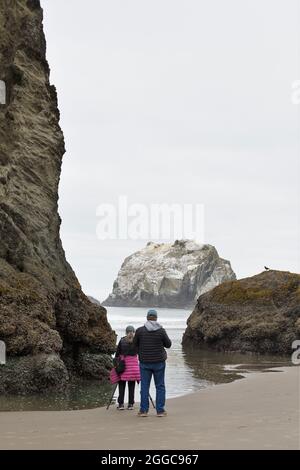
215, 367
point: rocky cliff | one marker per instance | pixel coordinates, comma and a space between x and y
50, 328
258, 314
169, 275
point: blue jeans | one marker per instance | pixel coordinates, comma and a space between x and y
157, 369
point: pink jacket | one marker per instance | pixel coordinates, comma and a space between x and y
131, 372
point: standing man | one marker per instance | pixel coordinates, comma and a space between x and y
151, 341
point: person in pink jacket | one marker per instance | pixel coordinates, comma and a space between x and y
127, 351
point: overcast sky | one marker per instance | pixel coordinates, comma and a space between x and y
178, 101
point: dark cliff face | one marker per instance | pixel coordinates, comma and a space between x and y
44, 314
258, 314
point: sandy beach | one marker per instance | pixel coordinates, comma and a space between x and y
260, 411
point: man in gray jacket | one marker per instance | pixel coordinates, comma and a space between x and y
151, 341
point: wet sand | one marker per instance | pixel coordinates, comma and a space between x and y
261, 411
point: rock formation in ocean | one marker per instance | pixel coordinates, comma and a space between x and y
51, 330
169, 275
258, 314
93, 300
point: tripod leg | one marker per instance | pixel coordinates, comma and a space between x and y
112, 396
152, 401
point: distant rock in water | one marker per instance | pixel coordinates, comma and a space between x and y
169, 275
93, 300
258, 314
51, 330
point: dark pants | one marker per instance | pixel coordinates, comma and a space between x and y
131, 387
157, 369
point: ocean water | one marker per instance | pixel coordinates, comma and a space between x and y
187, 370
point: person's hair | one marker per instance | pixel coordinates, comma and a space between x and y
130, 330
129, 336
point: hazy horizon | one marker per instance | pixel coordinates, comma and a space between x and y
178, 102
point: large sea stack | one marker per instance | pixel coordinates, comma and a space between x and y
51, 330
259, 314
169, 275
